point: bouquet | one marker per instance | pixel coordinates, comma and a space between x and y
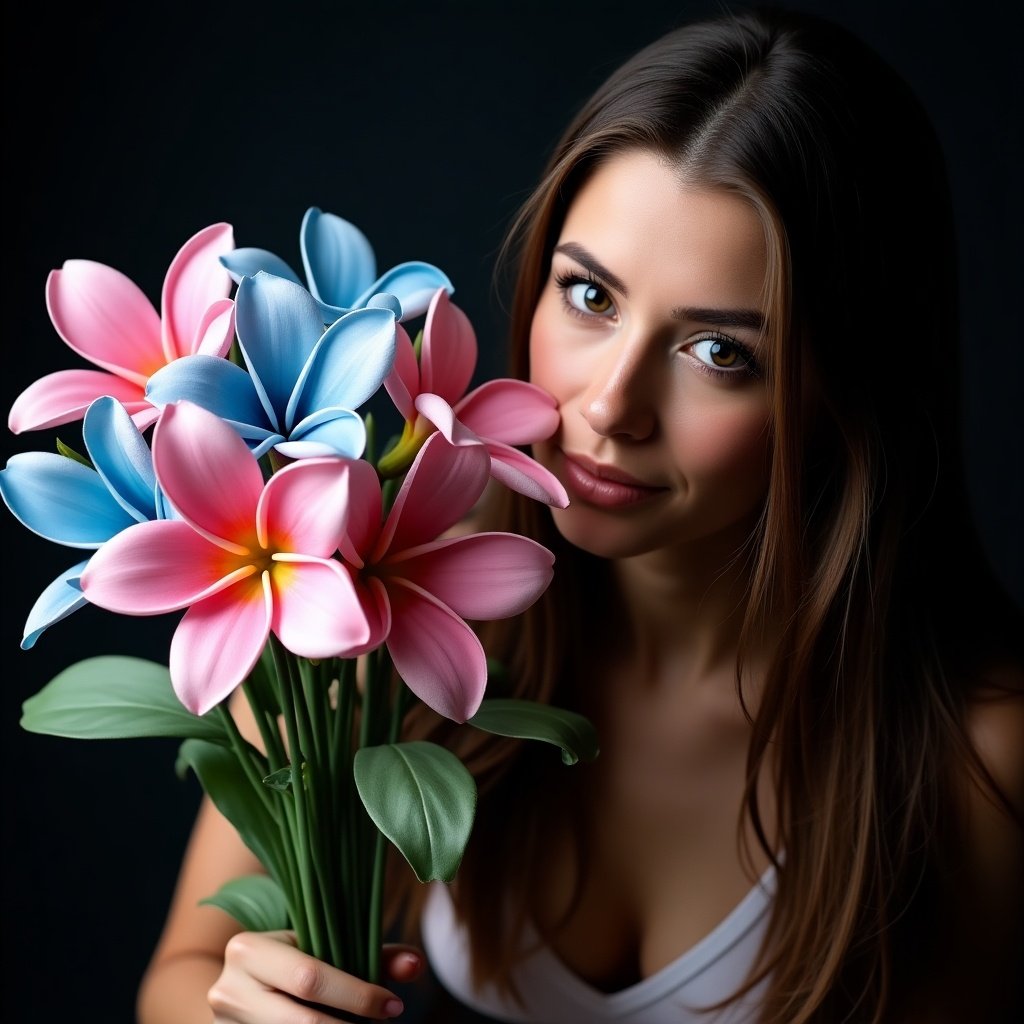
227, 469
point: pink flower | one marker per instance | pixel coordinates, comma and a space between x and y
500, 414
107, 319
416, 591
246, 558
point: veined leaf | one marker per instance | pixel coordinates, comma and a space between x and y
256, 902
115, 697
530, 720
423, 798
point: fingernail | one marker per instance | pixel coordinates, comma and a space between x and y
393, 1007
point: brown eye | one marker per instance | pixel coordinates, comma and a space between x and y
589, 297
723, 354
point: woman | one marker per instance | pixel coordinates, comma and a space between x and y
770, 599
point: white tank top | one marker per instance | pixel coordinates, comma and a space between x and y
706, 973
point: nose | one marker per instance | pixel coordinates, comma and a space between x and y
620, 400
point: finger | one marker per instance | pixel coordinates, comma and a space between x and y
402, 962
279, 965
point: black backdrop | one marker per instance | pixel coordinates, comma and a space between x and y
127, 127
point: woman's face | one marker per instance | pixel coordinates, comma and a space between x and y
648, 334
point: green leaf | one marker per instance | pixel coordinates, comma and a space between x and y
70, 453
281, 780
530, 720
422, 797
225, 782
114, 697
256, 902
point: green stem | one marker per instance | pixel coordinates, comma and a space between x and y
300, 797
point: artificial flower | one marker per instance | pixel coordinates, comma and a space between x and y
246, 558
80, 506
341, 269
416, 590
430, 393
301, 385
107, 319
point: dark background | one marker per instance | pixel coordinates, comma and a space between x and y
128, 127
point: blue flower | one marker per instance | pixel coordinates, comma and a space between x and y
80, 506
303, 383
341, 269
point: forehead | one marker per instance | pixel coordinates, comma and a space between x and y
642, 221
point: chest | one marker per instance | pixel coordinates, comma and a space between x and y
654, 864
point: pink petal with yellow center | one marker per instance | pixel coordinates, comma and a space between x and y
302, 508
482, 576
317, 613
63, 397
208, 474
216, 330
448, 358
218, 642
520, 473
194, 280
512, 411
156, 567
442, 485
106, 318
403, 382
437, 655
362, 511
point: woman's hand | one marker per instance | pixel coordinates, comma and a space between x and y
266, 979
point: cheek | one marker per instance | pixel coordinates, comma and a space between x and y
727, 441
549, 368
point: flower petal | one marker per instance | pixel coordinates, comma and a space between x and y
278, 325
56, 602
194, 280
481, 576
249, 261
337, 257
437, 655
106, 318
121, 457
524, 475
218, 642
63, 397
208, 474
449, 350
362, 512
415, 284
512, 411
338, 432
156, 567
216, 384
440, 413
61, 500
302, 508
316, 611
403, 382
216, 330
348, 365
442, 485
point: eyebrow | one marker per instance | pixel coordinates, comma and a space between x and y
751, 318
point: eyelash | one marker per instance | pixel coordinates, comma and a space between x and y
750, 367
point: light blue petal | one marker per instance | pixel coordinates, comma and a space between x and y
278, 325
338, 258
414, 283
61, 500
214, 383
56, 602
349, 364
385, 300
264, 446
121, 457
326, 432
331, 313
249, 262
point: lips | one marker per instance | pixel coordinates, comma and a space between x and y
605, 486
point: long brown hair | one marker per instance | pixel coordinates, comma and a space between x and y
865, 550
